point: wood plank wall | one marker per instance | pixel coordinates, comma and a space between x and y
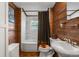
17, 15
51, 21
59, 11
69, 29
18, 24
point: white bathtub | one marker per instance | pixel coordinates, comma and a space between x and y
29, 46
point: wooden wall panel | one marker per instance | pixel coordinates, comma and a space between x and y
12, 5
59, 11
51, 22
11, 33
18, 25
70, 29
17, 16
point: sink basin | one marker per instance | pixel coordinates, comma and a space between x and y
13, 50
64, 49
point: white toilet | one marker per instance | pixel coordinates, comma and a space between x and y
46, 52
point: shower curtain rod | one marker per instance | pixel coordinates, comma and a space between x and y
28, 15
33, 11
24, 11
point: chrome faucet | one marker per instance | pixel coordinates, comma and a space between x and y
68, 40
74, 43
65, 39
71, 42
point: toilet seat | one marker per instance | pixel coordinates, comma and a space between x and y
45, 51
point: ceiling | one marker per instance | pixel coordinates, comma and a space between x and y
39, 6
34, 7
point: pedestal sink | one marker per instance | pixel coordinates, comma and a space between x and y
64, 49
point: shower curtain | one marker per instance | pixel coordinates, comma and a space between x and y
43, 28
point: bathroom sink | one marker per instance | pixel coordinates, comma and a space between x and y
13, 50
64, 49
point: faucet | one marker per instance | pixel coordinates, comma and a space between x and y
67, 40
74, 43
71, 42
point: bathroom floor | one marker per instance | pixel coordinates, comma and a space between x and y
33, 54
55, 55
29, 54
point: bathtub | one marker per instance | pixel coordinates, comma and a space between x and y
29, 46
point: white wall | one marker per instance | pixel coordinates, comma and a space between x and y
72, 6
23, 27
3, 29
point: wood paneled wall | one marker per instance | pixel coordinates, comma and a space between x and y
51, 21
69, 29
17, 16
59, 11
18, 25
55, 16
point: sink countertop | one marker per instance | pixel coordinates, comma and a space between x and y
65, 47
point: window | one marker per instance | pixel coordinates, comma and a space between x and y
34, 24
